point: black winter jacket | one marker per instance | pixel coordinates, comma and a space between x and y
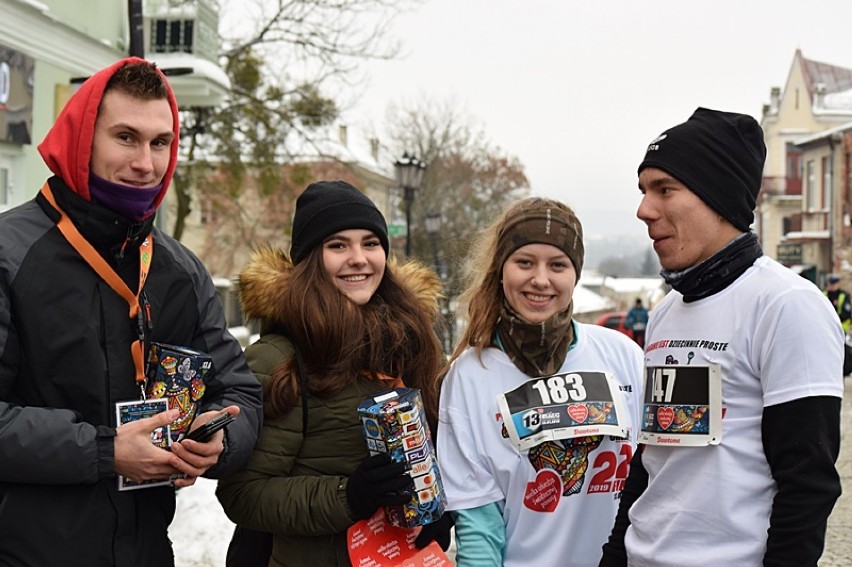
65, 361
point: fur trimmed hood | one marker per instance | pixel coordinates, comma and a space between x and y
267, 274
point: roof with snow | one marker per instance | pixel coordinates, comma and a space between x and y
587, 301
624, 285
836, 79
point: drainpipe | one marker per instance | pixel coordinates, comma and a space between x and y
833, 139
137, 29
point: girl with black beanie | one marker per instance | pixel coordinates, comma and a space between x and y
339, 323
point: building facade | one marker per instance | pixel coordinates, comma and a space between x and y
49, 46
223, 228
820, 230
800, 212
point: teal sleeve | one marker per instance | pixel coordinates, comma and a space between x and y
480, 536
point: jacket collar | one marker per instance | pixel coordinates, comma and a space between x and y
104, 229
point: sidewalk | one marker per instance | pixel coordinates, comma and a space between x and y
838, 540
200, 532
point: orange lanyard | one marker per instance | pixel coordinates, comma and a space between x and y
97, 263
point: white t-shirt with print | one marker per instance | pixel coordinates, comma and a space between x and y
551, 516
776, 339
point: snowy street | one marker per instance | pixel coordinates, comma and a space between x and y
200, 532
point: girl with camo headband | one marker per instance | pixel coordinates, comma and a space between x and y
550, 503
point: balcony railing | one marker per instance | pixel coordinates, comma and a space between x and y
813, 221
773, 185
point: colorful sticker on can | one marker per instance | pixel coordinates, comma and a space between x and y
394, 422
178, 375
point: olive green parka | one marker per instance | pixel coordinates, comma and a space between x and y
294, 485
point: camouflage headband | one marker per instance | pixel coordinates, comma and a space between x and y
549, 225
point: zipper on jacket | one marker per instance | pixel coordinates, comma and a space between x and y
127, 239
144, 322
146, 307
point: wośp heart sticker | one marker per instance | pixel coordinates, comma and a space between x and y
578, 412
543, 494
665, 416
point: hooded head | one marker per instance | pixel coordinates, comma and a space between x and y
67, 147
719, 156
327, 207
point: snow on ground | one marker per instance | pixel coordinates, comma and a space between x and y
200, 532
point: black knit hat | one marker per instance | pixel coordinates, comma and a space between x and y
327, 207
719, 156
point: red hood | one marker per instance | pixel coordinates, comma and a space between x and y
67, 148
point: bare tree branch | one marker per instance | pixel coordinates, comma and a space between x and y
282, 57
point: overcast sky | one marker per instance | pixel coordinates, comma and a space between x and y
576, 90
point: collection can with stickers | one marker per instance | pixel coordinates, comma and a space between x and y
394, 422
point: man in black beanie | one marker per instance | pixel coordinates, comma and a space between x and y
744, 371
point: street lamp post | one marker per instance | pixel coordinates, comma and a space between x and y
432, 221
409, 174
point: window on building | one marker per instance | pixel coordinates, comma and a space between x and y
172, 36
810, 185
826, 183
794, 170
208, 210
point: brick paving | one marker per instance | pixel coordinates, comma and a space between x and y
838, 540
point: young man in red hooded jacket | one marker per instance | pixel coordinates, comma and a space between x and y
87, 283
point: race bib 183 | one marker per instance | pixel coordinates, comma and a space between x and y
563, 406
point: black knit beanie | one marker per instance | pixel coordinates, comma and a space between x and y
719, 156
327, 207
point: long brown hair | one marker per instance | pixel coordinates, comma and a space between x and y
391, 335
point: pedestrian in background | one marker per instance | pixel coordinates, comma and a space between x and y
338, 324
762, 493
87, 282
840, 299
636, 320
552, 503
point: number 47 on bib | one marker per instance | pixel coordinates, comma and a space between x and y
682, 406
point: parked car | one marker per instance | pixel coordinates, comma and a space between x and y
615, 320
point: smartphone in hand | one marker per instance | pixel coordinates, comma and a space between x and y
206, 431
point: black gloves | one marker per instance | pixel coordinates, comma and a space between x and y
378, 481
438, 530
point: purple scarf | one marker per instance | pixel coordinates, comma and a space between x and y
134, 203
